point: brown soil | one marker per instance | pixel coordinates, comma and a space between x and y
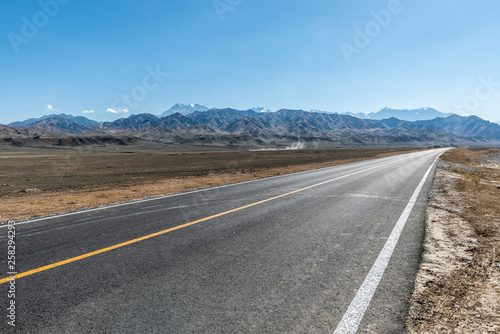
37, 183
457, 289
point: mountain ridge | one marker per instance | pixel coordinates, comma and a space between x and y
80, 120
469, 126
284, 123
402, 114
184, 109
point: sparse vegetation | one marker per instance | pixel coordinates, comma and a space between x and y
36, 182
458, 286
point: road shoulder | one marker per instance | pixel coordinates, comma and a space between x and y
457, 288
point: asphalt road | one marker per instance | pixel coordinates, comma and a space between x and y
280, 255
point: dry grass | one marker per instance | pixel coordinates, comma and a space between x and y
458, 287
41, 183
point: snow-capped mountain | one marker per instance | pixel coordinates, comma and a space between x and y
184, 109
322, 111
420, 114
409, 114
401, 114
260, 109
356, 114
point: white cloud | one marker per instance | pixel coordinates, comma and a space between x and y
117, 110
51, 108
88, 111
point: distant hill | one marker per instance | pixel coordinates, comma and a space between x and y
138, 123
29, 137
59, 124
184, 109
471, 126
402, 114
80, 120
29, 121
12, 131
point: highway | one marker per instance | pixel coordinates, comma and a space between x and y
286, 254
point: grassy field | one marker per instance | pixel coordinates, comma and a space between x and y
35, 182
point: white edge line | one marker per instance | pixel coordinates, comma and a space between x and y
4, 224
356, 311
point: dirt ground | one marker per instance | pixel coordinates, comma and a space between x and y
41, 182
457, 289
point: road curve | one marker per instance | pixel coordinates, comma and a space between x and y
285, 254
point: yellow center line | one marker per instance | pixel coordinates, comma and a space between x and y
149, 236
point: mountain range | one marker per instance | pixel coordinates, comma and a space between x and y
471, 126
402, 114
259, 123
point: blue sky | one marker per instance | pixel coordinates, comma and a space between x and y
114, 58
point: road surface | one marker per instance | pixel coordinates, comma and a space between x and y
286, 254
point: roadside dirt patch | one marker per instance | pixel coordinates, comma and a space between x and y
457, 289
